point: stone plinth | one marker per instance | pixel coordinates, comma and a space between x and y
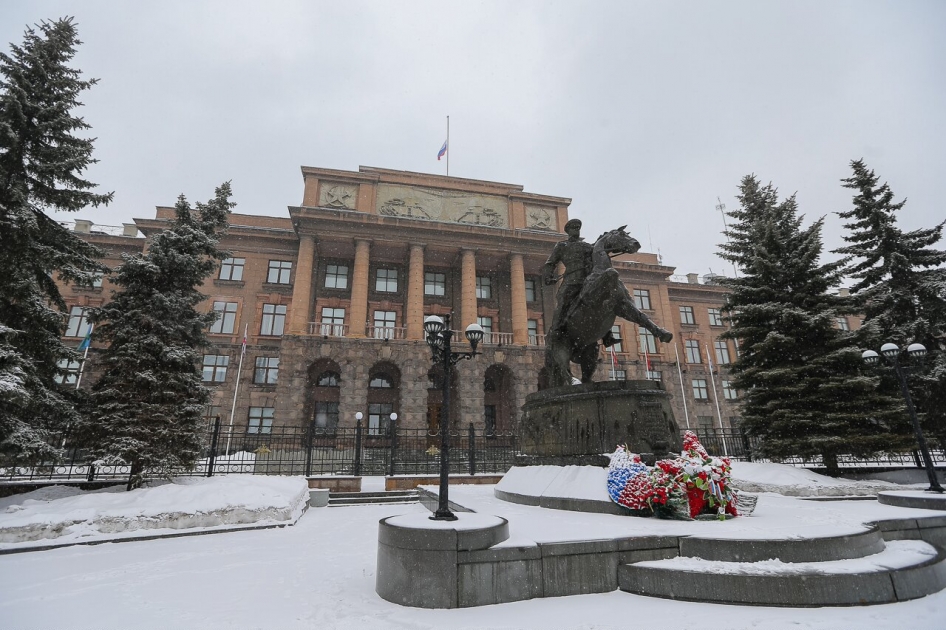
570, 425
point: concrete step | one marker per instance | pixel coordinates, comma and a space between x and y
902, 570
372, 498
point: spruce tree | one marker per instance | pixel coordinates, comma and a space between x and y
145, 411
804, 390
900, 288
41, 166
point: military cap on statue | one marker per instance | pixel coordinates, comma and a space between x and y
573, 223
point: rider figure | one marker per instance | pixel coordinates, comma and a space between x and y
575, 254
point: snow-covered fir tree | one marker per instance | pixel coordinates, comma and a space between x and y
146, 408
805, 391
900, 288
41, 166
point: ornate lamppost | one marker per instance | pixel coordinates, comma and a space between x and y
439, 337
892, 353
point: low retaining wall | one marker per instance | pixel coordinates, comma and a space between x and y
335, 483
409, 482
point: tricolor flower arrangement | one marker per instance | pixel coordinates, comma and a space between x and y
684, 487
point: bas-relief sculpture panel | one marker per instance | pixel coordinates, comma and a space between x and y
540, 218
442, 205
332, 195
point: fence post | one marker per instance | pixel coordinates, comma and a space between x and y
308, 449
472, 436
91, 475
358, 449
393, 428
213, 447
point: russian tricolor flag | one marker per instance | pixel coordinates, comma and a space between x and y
442, 151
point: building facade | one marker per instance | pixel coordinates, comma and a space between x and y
333, 299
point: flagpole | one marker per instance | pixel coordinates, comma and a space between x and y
85, 354
683, 395
709, 358
236, 388
448, 146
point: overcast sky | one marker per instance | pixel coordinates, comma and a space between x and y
642, 113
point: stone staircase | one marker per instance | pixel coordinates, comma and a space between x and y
858, 569
341, 499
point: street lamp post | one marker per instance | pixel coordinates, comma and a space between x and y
891, 353
439, 337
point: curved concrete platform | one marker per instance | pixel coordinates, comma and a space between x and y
830, 548
913, 499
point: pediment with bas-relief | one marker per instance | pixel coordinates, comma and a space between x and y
540, 218
442, 205
333, 195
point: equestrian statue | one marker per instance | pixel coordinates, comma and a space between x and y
590, 298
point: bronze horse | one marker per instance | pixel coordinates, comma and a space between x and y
603, 297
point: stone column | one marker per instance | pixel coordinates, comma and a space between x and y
517, 281
415, 293
359, 290
302, 289
467, 290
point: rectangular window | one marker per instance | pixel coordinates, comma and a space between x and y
686, 315
211, 413
379, 418
704, 425
333, 322
267, 370
486, 323
215, 368
722, 352
533, 326
692, 348
97, 280
484, 288
729, 392
326, 415
617, 375
435, 283
78, 322
489, 419
616, 334
274, 320
226, 320
261, 420
642, 299
232, 268
386, 281
715, 316
654, 375
279, 272
530, 290
699, 389
384, 324
336, 276
647, 341
68, 372
842, 323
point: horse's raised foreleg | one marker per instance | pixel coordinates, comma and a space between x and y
631, 313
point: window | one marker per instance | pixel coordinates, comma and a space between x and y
722, 352
78, 322
686, 315
333, 322
699, 389
226, 320
533, 327
326, 415
654, 375
274, 320
97, 278
692, 347
267, 370
386, 281
381, 381
842, 323
384, 324
279, 272
486, 323
328, 379
261, 420
68, 372
715, 316
616, 333
530, 290
704, 425
336, 276
617, 375
642, 299
211, 413
647, 341
484, 288
435, 283
729, 392
379, 418
489, 419
215, 368
232, 268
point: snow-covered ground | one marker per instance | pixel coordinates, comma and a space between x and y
320, 573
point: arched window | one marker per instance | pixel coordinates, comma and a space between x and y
381, 381
328, 379
324, 395
383, 397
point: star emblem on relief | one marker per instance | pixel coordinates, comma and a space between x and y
338, 196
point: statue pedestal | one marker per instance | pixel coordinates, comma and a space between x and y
577, 424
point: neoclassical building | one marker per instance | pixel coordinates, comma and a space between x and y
333, 299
